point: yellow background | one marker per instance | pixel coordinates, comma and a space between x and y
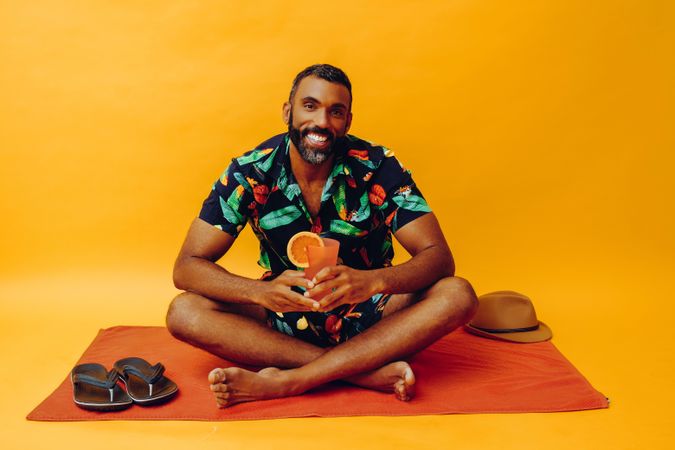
541, 132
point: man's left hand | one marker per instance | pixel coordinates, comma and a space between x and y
342, 285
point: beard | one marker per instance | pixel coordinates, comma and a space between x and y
312, 156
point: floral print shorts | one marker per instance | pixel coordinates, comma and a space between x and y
326, 329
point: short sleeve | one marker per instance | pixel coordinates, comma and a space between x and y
399, 199
226, 207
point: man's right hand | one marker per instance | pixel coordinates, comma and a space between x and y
196, 271
276, 295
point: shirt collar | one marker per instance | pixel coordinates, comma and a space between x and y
285, 180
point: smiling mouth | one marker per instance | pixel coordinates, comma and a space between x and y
317, 139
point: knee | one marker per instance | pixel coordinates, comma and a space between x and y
182, 314
459, 299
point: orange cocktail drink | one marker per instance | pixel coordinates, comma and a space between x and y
320, 257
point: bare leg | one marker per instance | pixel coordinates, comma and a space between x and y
239, 333
445, 306
236, 332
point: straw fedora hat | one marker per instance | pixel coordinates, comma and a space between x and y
509, 316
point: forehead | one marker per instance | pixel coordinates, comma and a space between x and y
324, 91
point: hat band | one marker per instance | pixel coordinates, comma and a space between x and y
506, 330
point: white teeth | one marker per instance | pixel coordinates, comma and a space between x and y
317, 137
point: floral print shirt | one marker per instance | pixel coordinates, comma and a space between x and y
368, 196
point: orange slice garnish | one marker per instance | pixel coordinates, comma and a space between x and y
297, 247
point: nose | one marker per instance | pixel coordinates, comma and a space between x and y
321, 118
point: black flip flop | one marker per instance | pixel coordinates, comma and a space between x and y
96, 389
146, 384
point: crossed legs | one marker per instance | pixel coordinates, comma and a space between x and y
372, 359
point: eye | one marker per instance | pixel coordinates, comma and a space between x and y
309, 106
337, 113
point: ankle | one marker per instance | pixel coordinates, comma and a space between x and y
294, 382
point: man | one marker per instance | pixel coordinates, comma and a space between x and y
356, 321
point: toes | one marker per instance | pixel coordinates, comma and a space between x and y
222, 399
222, 396
220, 387
401, 391
409, 393
407, 383
217, 376
405, 387
409, 377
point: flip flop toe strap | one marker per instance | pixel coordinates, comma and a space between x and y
109, 383
151, 376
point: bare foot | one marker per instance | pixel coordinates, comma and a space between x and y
234, 385
396, 377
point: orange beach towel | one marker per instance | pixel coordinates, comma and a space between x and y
461, 373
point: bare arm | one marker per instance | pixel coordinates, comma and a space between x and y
196, 271
431, 260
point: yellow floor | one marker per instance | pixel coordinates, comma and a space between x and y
631, 362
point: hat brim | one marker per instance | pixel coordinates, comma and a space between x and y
543, 333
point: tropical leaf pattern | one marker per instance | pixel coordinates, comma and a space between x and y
280, 217
264, 166
229, 214
234, 200
253, 156
368, 196
411, 203
346, 228
340, 201
241, 180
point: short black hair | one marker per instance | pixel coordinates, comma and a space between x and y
325, 72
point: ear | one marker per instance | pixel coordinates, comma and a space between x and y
349, 122
286, 112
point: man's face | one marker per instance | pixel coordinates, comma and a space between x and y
318, 117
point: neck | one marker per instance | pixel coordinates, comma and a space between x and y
307, 173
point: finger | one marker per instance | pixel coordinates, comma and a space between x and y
328, 273
303, 282
285, 300
322, 288
295, 280
332, 300
284, 306
331, 304
298, 300
293, 273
